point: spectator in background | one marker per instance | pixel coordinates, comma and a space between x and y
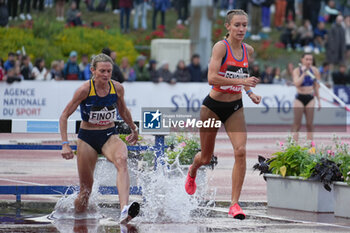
345, 7
254, 70
114, 56
159, 6
12, 9
116, 73
289, 36
60, 10
4, 14
305, 36
10, 63
320, 37
140, 7
325, 72
331, 11
48, 3
267, 75
56, 71
182, 11
39, 71
280, 10
195, 69
18, 69
2, 71
77, 3
82, 65
125, 9
26, 4
164, 74
101, 7
242, 4
287, 73
266, 14
255, 18
277, 77
153, 72
115, 6
127, 71
340, 77
87, 71
74, 15
12, 76
181, 73
71, 69
141, 71
290, 10
26, 69
41, 5
347, 36
335, 50
311, 11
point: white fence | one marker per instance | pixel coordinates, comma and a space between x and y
46, 100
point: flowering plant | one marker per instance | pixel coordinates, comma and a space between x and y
182, 147
325, 164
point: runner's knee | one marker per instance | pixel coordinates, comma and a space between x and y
240, 152
309, 126
121, 162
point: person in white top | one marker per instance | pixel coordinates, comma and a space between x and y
39, 71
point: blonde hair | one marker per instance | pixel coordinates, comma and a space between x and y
101, 58
231, 13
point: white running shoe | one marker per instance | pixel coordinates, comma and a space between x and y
129, 212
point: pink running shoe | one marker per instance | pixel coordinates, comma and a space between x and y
236, 212
190, 185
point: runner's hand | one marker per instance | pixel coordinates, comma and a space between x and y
67, 152
133, 137
251, 81
255, 98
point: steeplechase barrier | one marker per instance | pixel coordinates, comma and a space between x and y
52, 126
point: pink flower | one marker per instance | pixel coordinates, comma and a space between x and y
182, 144
281, 144
313, 144
329, 152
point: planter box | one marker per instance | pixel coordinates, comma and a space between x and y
298, 194
342, 199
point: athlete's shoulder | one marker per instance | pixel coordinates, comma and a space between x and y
220, 44
219, 48
314, 69
83, 91
118, 87
85, 86
250, 49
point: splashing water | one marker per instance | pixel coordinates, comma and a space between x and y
163, 192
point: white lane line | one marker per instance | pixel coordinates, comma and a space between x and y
300, 221
22, 182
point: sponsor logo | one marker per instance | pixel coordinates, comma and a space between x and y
152, 119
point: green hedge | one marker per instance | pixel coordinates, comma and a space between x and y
58, 43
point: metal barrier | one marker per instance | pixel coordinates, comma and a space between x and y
19, 190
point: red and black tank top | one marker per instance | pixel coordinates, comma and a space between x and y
233, 68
